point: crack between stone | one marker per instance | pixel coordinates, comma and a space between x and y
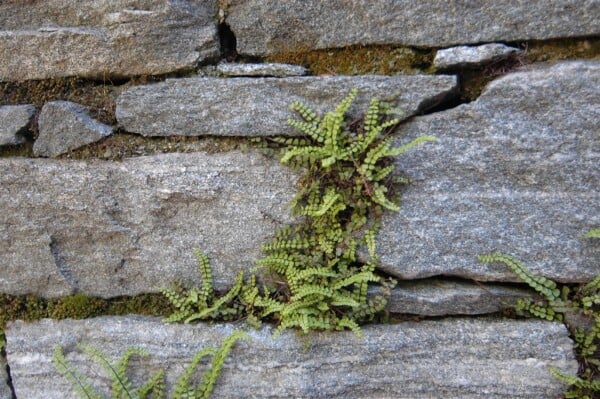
9, 382
61, 265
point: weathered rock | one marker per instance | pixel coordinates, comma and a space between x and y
457, 358
64, 126
434, 297
104, 38
260, 106
5, 390
269, 26
515, 171
472, 56
14, 120
264, 69
123, 228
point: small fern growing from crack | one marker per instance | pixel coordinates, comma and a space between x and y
578, 308
123, 387
346, 187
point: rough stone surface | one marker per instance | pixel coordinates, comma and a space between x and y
269, 26
104, 38
264, 69
436, 297
457, 358
14, 119
260, 106
515, 171
123, 228
5, 391
471, 56
64, 126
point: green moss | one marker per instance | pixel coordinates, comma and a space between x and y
79, 306
123, 145
562, 49
359, 60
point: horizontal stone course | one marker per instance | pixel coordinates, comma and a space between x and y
260, 106
515, 171
437, 297
265, 27
123, 228
454, 358
106, 38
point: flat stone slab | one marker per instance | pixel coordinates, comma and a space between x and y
436, 297
64, 126
14, 120
106, 38
262, 69
472, 56
515, 171
260, 106
123, 228
5, 390
265, 27
455, 358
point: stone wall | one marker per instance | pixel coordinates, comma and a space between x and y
126, 133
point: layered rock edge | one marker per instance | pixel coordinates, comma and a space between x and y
123, 228
515, 171
454, 358
105, 39
260, 106
264, 27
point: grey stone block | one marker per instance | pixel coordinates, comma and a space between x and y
269, 26
472, 56
260, 106
515, 171
64, 126
105, 38
124, 228
454, 358
14, 119
263, 69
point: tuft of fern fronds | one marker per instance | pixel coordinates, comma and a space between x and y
123, 388
345, 190
578, 309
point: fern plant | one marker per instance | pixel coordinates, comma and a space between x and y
346, 187
123, 388
578, 308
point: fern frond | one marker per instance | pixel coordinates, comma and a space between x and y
419, 140
541, 284
182, 389
593, 233
210, 377
78, 380
206, 292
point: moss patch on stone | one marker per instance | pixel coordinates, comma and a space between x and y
123, 145
79, 306
359, 60
562, 49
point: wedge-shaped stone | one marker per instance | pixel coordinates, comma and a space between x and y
436, 297
515, 171
124, 228
472, 56
14, 120
269, 26
64, 126
106, 38
458, 358
260, 106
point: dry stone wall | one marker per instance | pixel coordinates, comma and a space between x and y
514, 170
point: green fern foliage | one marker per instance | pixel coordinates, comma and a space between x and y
347, 185
122, 387
578, 308
154, 388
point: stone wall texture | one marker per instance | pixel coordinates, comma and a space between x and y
109, 194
